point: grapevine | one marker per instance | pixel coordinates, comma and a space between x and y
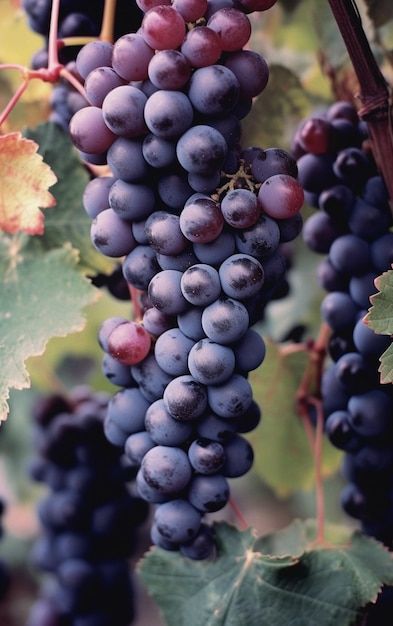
220, 232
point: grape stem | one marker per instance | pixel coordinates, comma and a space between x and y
108, 21
135, 299
375, 94
307, 396
51, 74
238, 514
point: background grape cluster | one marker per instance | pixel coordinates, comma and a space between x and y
353, 229
88, 517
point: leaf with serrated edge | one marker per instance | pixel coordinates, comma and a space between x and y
380, 319
24, 182
42, 295
386, 366
69, 222
380, 315
284, 460
243, 586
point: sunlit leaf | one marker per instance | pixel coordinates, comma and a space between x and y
24, 183
69, 222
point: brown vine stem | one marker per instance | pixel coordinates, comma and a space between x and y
375, 94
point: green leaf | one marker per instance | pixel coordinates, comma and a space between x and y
379, 11
284, 460
380, 315
386, 366
42, 295
277, 111
244, 586
68, 221
380, 319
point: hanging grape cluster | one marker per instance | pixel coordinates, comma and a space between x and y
199, 223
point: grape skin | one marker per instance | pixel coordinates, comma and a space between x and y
199, 263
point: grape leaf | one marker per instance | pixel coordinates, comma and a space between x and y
246, 586
386, 366
380, 319
277, 111
284, 460
69, 222
380, 315
41, 296
24, 183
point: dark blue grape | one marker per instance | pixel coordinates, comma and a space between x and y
166, 469
200, 284
239, 457
214, 90
131, 201
177, 520
140, 266
242, 276
164, 234
211, 363
208, 493
350, 254
158, 151
340, 432
185, 398
231, 398
151, 378
371, 413
163, 429
225, 320
202, 546
206, 457
339, 310
201, 149
171, 351
168, 114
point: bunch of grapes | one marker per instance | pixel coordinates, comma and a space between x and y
353, 229
88, 518
200, 224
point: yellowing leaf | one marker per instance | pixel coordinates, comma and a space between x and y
24, 183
